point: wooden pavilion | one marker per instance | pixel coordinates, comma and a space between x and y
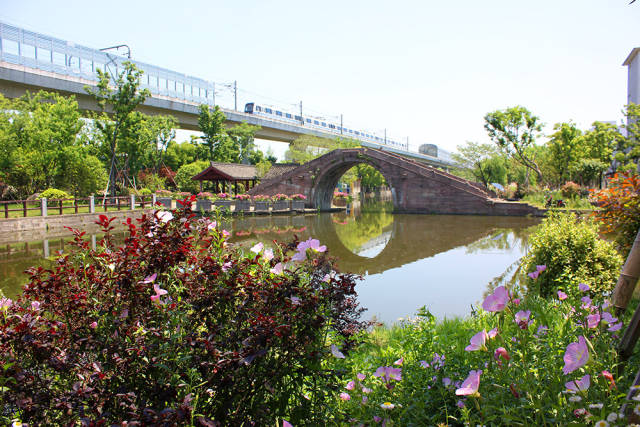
228, 175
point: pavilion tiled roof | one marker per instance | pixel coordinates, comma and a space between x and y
227, 171
278, 169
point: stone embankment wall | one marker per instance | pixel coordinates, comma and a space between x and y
41, 227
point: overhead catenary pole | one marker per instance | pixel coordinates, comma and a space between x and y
301, 118
235, 95
385, 136
341, 125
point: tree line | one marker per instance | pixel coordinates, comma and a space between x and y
47, 142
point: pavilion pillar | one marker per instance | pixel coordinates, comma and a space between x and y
235, 188
201, 186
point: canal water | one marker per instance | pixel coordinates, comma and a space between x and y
444, 263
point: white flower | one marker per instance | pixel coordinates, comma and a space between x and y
612, 417
636, 397
601, 423
575, 399
336, 353
387, 405
596, 406
636, 410
165, 216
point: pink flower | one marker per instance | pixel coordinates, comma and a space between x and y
366, 390
377, 418
562, 296
576, 355
35, 305
361, 377
295, 300
388, 373
541, 268
534, 274
336, 353
586, 302
225, 234
608, 318
609, 377
345, 396
268, 255
478, 342
226, 266
350, 385
492, 333
286, 423
313, 244
516, 301
615, 327
93, 325
579, 385
583, 287
158, 294
593, 320
399, 361
257, 247
424, 363
165, 216
326, 278
522, 318
277, 269
501, 352
149, 279
542, 330
446, 381
460, 404
5, 303
212, 225
470, 385
497, 301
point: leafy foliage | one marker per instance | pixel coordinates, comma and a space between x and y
188, 171
54, 193
620, 208
175, 327
573, 253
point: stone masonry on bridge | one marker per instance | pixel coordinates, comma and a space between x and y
415, 186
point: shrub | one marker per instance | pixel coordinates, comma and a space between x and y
164, 193
570, 189
188, 171
573, 253
620, 208
53, 193
177, 327
144, 191
151, 180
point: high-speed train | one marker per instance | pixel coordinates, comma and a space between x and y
321, 124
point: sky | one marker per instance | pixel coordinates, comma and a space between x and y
424, 70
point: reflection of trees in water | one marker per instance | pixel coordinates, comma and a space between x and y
375, 219
503, 239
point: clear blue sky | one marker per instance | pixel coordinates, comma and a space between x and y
423, 69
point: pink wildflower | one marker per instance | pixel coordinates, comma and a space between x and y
492, 333
277, 269
522, 318
615, 327
541, 268
93, 325
562, 296
268, 255
478, 342
286, 423
497, 301
226, 266
350, 385
534, 274
35, 305
607, 375
388, 373
576, 355
583, 287
149, 279
608, 318
579, 385
501, 352
158, 294
5, 303
366, 390
257, 248
460, 404
399, 361
470, 385
361, 377
295, 300
593, 320
345, 396
424, 363
516, 301
212, 225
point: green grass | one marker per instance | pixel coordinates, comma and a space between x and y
576, 202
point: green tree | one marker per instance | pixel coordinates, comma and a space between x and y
514, 130
211, 123
483, 162
564, 149
243, 136
188, 171
121, 96
628, 152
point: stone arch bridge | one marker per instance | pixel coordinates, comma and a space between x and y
415, 186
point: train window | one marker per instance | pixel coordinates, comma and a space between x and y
308, 120
315, 122
279, 113
323, 124
332, 126
357, 133
288, 115
268, 110
258, 108
299, 118
248, 108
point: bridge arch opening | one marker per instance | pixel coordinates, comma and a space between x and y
366, 228
326, 181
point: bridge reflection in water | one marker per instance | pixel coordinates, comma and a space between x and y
440, 261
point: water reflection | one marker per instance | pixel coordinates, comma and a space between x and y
407, 261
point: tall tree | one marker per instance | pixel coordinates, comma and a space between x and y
211, 123
514, 130
565, 149
243, 136
482, 161
119, 96
628, 154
